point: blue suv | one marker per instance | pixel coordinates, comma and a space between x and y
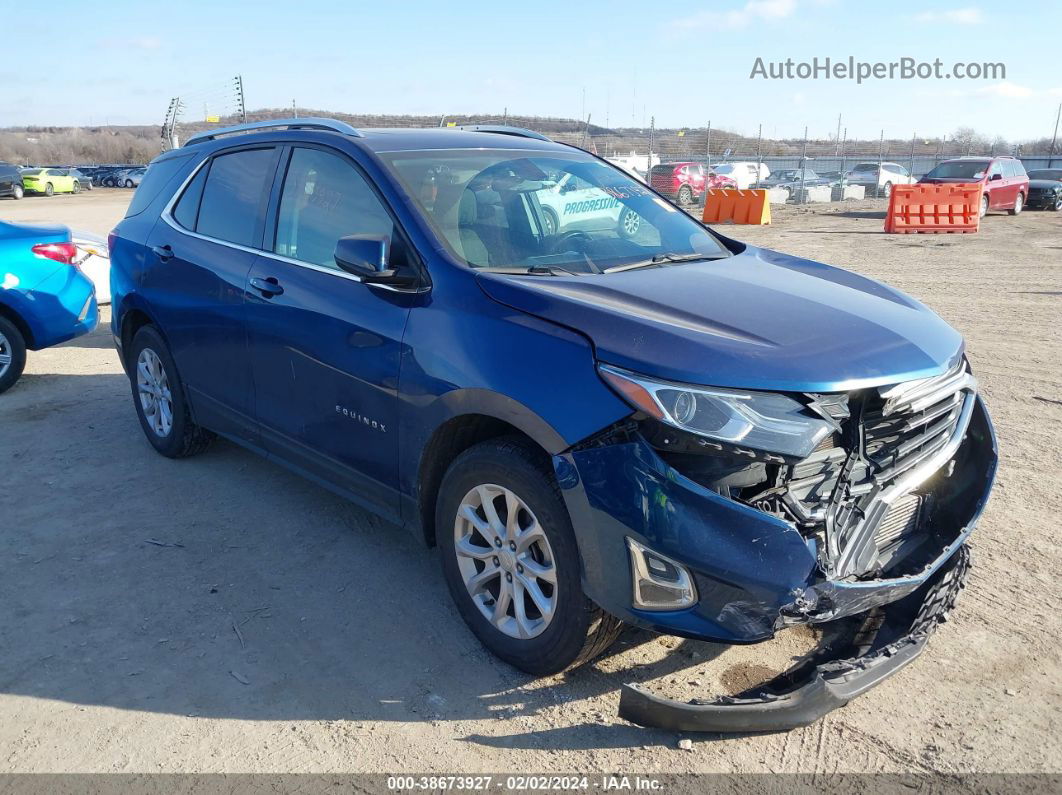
597, 422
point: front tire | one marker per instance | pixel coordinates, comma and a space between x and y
158, 395
12, 354
984, 205
129, 183
550, 222
511, 562
77, 187
886, 190
1019, 202
17, 192
685, 196
1056, 205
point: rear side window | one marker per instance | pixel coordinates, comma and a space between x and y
187, 209
158, 175
233, 195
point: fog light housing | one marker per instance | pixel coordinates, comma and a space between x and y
657, 581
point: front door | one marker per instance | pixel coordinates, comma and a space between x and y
324, 347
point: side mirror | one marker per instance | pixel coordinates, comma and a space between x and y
994, 177
366, 256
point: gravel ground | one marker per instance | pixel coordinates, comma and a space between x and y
220, 614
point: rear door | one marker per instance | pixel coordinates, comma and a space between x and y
996, 188
203, 251
324, 347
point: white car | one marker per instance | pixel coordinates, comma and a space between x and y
744, 174
572, 204
94, 260
870, 177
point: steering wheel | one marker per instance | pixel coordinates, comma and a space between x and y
570, 241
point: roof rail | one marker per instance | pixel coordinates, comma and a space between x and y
502, 129
305, 123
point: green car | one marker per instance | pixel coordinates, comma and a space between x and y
49, 181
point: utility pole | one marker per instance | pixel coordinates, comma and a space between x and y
837, 138
649, 159
708, 145
586, 132
294, 110
241, 108
1054, 138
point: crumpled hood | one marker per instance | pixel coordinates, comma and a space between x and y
758, 320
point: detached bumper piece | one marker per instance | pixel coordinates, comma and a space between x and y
856, 654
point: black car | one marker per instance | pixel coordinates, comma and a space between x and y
10, 181
1045, 189
791, 180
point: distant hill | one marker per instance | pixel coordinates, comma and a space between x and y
140, 143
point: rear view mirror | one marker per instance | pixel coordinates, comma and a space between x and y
994, 177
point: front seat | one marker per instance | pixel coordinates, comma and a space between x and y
472, 247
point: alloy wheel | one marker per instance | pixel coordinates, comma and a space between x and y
505, 561
6, 355
631, 223
153, 387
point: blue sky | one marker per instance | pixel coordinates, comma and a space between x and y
682, 62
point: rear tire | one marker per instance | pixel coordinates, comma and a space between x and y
886, 190
48, 189
984, 205
12, 354
685, 196
129, 183
1019, 203
511, 471
1056, 205
155, 382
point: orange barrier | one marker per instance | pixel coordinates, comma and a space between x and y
954, 208
736, 206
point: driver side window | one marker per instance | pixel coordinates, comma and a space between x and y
325, 198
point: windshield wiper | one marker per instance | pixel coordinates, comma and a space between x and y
549, 270
661, 259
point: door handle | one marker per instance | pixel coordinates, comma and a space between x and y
267, 287
164, 253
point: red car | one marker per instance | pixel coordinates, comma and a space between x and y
1005, 185
685, 183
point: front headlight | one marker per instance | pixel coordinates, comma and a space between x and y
768, 421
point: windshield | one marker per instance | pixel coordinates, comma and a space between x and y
866, 167
959, 169
545, 212
1046, 173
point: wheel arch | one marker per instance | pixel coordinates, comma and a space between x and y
133, 317
9, 313
476, 416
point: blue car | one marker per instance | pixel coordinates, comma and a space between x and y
652, 425
44, 298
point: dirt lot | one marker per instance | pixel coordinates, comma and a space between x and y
220, 614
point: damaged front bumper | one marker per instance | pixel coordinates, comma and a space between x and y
861, 655
756, 575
